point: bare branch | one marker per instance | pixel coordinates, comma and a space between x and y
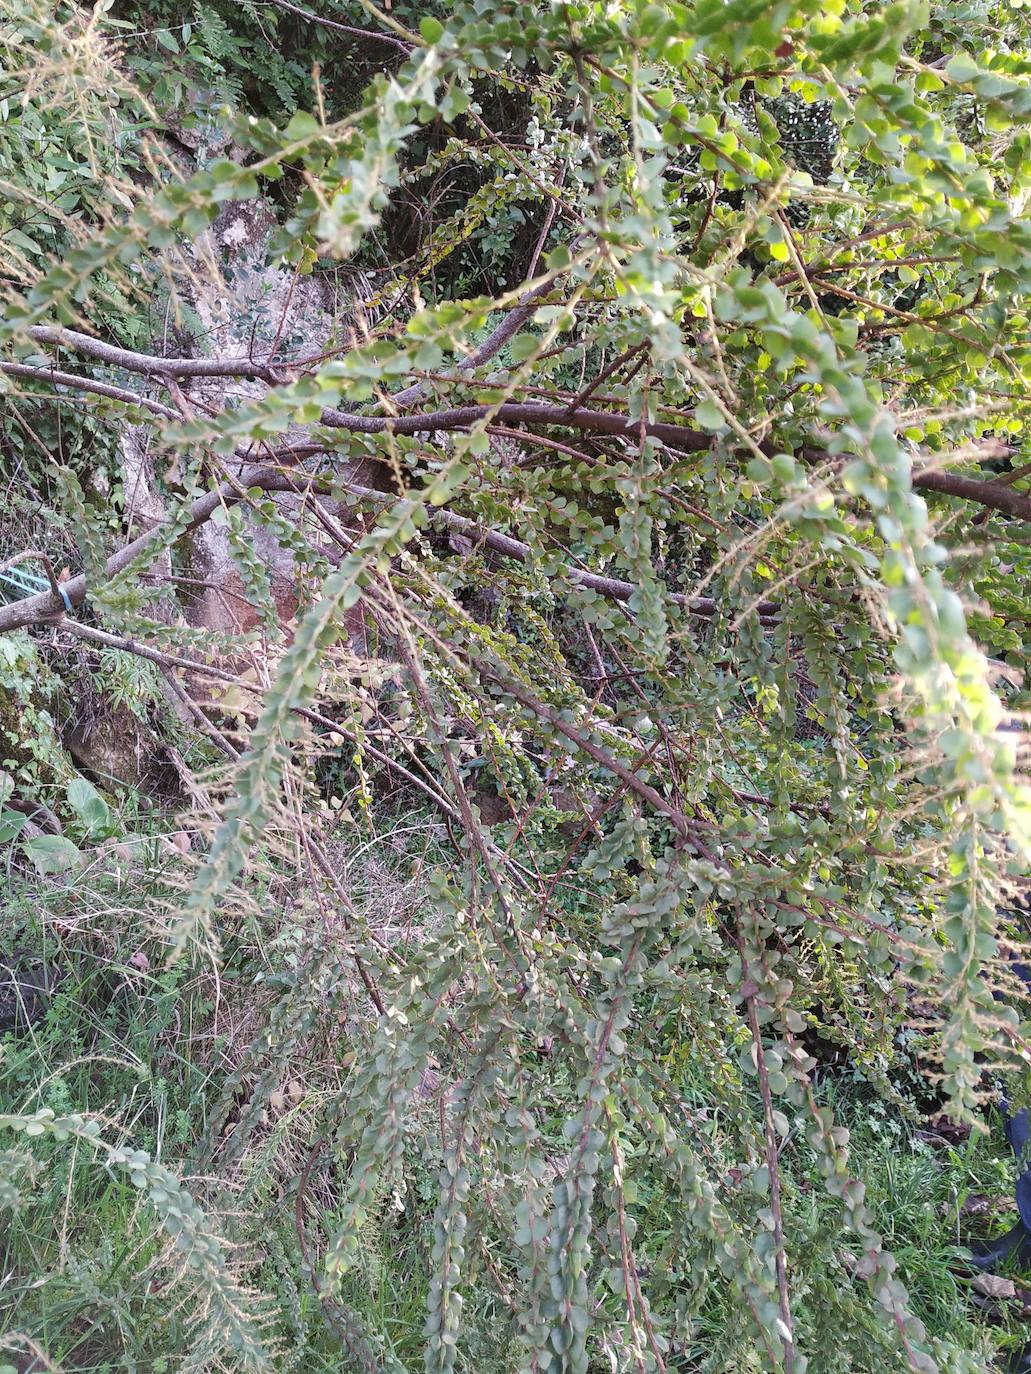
344, 28
69, 379
47, 606
151, 365
612, 587
985, 493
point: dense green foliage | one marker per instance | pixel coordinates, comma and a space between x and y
517, 908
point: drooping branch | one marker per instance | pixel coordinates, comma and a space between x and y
613, 587
581, 739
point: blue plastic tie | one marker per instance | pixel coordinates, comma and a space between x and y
30, 584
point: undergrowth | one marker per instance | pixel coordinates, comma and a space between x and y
233, 1082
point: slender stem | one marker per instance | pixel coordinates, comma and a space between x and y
772, 1161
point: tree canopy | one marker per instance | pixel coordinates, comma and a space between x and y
612, 420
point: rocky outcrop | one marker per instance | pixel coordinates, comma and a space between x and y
234, 299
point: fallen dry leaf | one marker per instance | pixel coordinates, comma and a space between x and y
978, 1206
992, 1286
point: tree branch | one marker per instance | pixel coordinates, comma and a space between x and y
607, 760
69, 379
517, 412
49, 606
984, 493
612, 587
151, 365
493, 343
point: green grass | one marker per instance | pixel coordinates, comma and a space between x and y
916, 1191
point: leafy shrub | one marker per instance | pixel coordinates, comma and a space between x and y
657, 596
